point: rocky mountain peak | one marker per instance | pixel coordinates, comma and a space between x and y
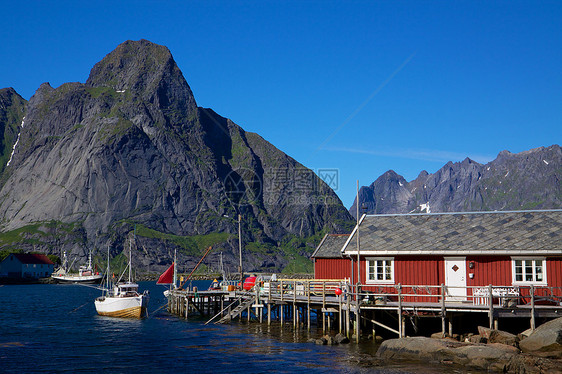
148, 70
391, 176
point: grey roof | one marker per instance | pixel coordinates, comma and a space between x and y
330, 246
508, 232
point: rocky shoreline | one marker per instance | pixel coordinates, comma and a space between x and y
490, 350
538, 351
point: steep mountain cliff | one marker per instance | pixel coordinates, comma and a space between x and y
12, 108
130, 149
526, 180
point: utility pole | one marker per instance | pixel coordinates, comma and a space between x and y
240, 246
358, 245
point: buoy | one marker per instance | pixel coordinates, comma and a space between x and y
338, 291
249, 283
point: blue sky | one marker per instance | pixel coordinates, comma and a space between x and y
357, 86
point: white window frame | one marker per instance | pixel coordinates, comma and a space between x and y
369, 260
525, 282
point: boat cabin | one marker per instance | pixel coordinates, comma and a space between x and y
126, 289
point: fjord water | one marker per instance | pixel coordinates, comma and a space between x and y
55, 329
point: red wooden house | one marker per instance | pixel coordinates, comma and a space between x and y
464, 251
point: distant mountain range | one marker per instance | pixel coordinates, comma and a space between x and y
521, 181
129, 153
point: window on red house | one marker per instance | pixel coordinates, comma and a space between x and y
380, 270
529, 270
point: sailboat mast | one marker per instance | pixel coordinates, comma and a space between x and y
107, 273
130, 257
175, 267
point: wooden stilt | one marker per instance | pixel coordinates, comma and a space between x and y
400, 325
491, 307
340, 323
443, 310
348, 318
308, 305
268, 314
532, 291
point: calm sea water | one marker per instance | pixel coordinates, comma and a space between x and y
55, 329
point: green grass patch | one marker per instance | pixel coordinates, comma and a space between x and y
96, 92
192, 245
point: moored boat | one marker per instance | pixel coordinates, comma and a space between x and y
85, 275
122, 299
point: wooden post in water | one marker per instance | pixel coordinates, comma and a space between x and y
324, 307
443, 310
308, 306
400, 331
281, 308
348, 316
268, 313
357, 314
374, 330
532, 290
295, 314
340, 324
491, 306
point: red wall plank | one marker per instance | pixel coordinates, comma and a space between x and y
489, 270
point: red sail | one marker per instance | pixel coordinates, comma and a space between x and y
168, 276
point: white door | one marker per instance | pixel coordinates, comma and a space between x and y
455, 278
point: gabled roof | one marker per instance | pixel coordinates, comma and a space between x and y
508, 233
28, 258
330, 246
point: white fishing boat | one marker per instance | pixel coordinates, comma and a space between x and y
85, 275
122, 299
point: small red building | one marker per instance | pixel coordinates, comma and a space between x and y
464, 251
26, 266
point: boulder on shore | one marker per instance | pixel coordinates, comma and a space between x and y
487, 357
341, 339
547, 338
498, 336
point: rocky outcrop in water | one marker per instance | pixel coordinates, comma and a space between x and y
130, 150
493, 357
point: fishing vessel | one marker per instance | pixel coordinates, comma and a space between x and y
85, 275
122, 299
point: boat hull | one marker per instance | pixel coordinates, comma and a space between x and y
84, 279
123, 307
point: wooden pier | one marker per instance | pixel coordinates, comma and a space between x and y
338, 305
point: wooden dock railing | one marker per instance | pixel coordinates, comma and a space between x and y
350, 303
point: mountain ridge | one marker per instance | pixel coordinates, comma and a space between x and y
512, 181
